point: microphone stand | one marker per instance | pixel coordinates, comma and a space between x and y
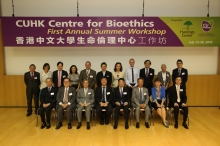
77, 8
208, 9
13, 10
143, 9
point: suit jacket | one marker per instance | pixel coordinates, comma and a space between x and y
173, 95
89, 98
159, 75
108, 75
48, 97
32, 85
55, 77
71, 95
148, 82
125, 96
92, 78
183, 74
136, 96
109, 95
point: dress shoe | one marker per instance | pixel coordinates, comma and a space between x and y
79, 125
176, 125
147, 125
28, 114
126, 125
106, 122
166, 124
185, 125
59, 125
69, 126
102, 122
88, 126
115, 125
48, 126
137, 125
43, 126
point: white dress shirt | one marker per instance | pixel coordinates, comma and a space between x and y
43, 77
129, 75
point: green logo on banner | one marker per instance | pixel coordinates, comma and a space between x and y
188, 23
187, 32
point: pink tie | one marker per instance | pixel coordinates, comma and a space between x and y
59, 79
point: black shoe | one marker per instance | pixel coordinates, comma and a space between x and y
185, 125
176, 125
59, 125
147, 125
115, 125
137, 125
88, 126
106, 122
43, 126
28, 114
79, 125
48, 126
102, 122
126, 125
69, 126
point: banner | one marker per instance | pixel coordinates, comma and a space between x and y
111, 31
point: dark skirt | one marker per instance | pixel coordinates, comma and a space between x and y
154, 105
75, 86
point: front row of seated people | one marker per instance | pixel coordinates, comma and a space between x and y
104, 99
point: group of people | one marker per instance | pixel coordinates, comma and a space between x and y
117, 89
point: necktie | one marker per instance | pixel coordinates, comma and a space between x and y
85, 91
140, 96
48, 89
179, 72
87, 73
178, 93
59, 84
132, 72
121, 95
65, 99
147, 72
103, 94
32, 76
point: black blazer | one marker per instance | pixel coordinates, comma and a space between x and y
55, 77
148, 82
125, 96
48, 97
108, 75
109, 95
184, 75
173, 95
32, 85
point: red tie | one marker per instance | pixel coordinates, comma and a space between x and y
32, 76
59, 79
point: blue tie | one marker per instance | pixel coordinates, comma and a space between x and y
140, 96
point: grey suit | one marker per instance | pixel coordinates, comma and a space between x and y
82, 98
91, 77
159, 75
71, 102
136, 102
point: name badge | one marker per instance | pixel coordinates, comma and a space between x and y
181, 89
64, 76
70, 94
89, 93
91, 76
145, 93
183, 73
35, 77
125, 93
108, 93
51, 93
151, 74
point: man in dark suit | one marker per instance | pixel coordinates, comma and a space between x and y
59, 75
32, 82
103, 98
104, 73
66, 100
48, 102
180, 71
147, 74
177, 97
88, 74
121, 99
